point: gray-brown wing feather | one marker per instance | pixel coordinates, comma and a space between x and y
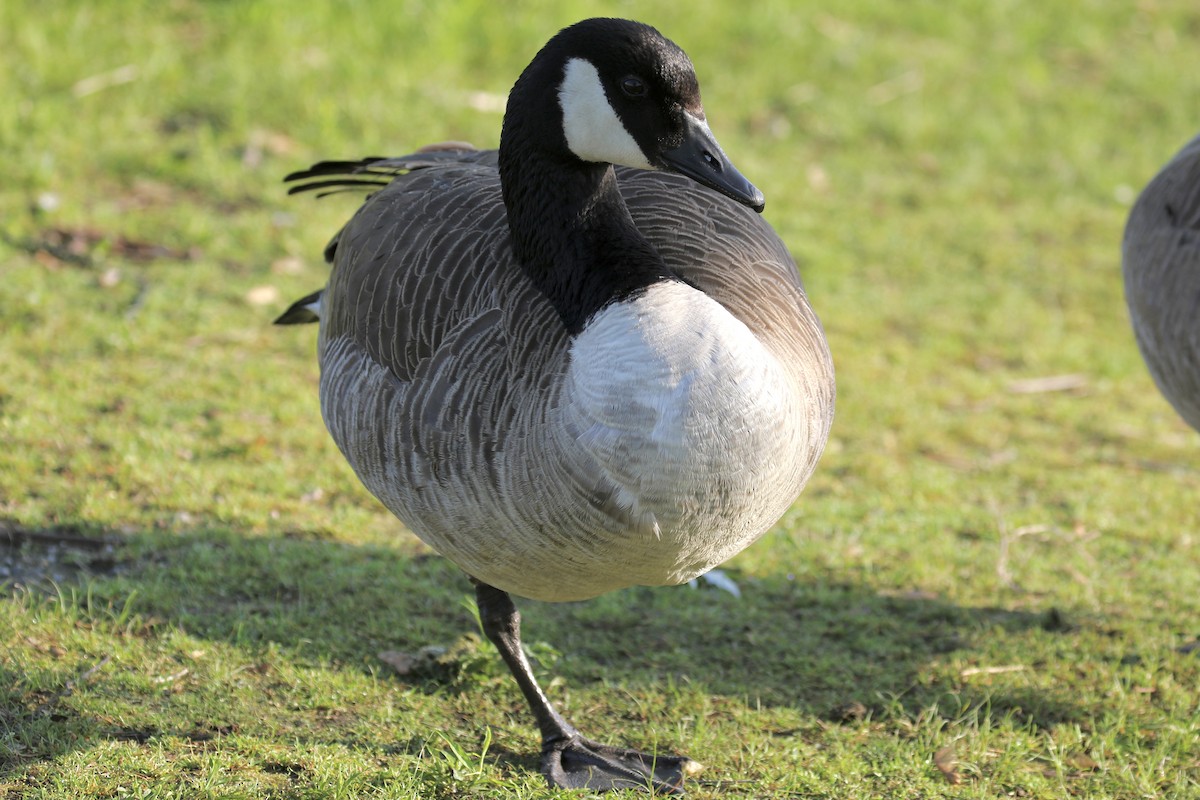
419, 258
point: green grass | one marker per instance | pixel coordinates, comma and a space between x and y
1008, 580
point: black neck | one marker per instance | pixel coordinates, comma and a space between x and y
572, 232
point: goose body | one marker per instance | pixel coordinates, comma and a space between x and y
568, 377
1161, 266
659, 441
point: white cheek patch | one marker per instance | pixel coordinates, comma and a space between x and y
594, 131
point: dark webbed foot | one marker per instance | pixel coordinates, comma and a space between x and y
569, 761
578, 763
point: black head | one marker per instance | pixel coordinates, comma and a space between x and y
625, 94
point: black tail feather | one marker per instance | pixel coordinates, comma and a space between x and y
323, 168
345, 183
302, 311
342, 175
376, 170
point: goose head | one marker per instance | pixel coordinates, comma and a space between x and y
624, 94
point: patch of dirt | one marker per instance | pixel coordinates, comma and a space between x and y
60, 555
79, 247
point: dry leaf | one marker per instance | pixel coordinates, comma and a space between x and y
423, 662
969, 671
288, 265
1051, 383
105, 80
401, 662
947, 764
263, 296
852, 711
1082, 761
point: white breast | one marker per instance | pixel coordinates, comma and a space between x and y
685, 411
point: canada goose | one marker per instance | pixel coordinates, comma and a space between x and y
1161, 262
566, 378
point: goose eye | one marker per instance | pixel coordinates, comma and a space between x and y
633, 86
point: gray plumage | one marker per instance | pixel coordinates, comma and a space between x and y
443, 383
1161, 265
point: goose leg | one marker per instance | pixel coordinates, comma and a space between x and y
569, 760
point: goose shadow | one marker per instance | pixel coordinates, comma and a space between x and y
836, 651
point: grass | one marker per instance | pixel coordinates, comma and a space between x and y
985, 591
